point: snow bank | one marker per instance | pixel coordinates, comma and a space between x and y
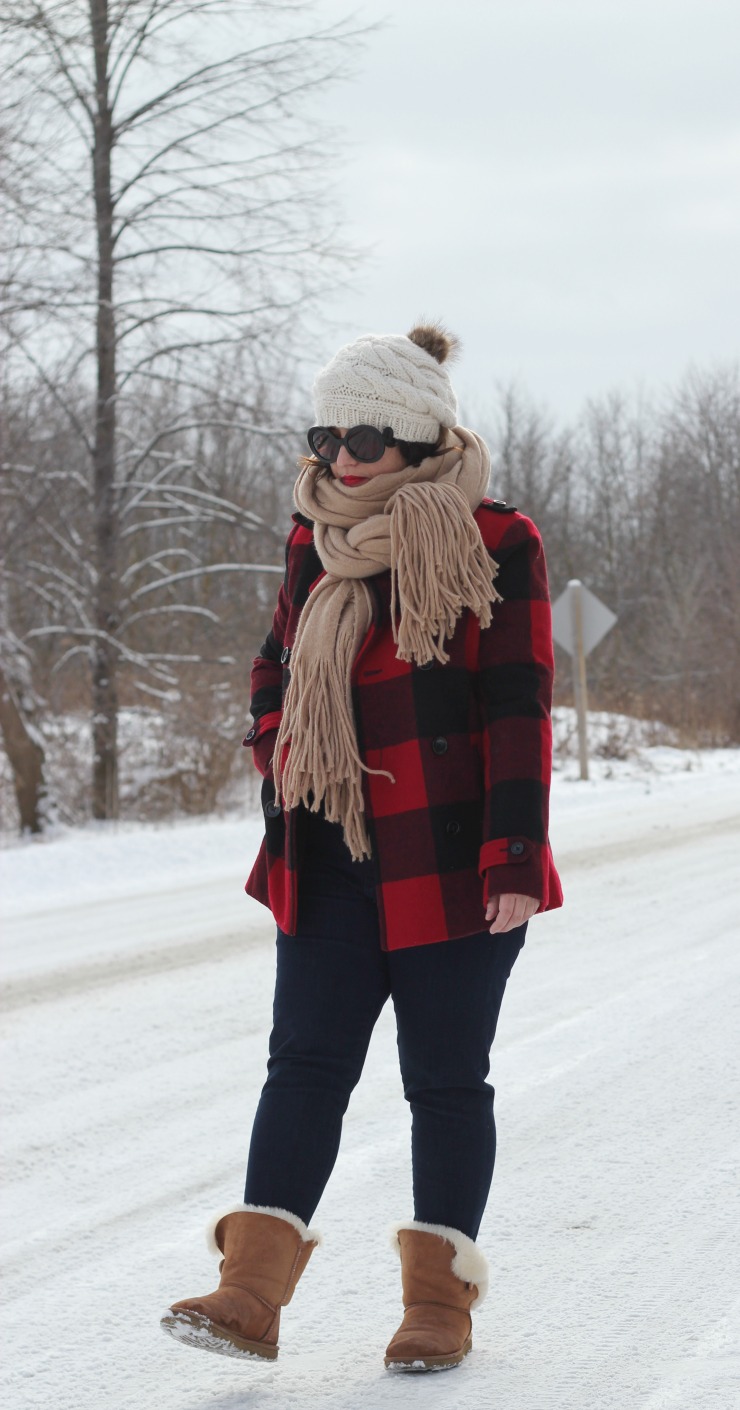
102, 861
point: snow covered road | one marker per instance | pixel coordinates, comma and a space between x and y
134, 1049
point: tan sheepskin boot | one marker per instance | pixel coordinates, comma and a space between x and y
444, 1275
264, 1254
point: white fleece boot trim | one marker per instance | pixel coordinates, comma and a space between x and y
309, 1236
470, 1265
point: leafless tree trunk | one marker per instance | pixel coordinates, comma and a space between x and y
104, 672
26, 754
205, 239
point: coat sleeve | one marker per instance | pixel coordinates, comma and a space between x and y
266, 680
516, 670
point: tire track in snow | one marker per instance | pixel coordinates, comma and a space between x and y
123, 968
94, 974
656, 837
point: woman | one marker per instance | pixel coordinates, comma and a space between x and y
401, 722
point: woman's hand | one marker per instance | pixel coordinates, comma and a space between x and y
509, 910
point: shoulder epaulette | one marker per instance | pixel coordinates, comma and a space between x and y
499, 505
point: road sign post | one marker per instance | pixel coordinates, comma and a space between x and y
579, 621
580, 692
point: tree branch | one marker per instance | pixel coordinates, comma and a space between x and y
207, 568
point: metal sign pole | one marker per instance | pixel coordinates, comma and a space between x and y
579, 621
579, 671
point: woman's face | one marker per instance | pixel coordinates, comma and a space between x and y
358, 472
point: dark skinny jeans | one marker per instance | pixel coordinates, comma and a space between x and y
332, 982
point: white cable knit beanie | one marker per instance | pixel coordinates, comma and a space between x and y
390, 379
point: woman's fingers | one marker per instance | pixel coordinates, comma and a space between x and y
505, 918
512, 909
492, 907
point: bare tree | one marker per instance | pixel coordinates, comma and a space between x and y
24, 744
532, 462
642, 501
170, 206
694, 533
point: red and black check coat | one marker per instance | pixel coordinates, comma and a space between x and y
469, 743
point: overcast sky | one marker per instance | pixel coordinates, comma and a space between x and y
559, 180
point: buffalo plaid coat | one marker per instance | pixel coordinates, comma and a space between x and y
469, 743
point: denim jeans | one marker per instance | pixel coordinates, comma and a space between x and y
332, 982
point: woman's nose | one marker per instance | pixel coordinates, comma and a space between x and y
344, 458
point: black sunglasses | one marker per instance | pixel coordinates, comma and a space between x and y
364, 443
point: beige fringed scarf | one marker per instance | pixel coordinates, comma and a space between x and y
419, 523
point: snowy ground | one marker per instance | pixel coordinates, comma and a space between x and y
137, 1005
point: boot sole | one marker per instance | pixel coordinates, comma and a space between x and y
429, 1363
192, 1329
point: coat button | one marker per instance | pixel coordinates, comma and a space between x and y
426, 665
453, 827
273, 810
249, 735
516, 848
439, 745
285, 655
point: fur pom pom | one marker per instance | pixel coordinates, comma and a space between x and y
435, 339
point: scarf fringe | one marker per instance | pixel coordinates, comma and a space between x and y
323, 759
439, 566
